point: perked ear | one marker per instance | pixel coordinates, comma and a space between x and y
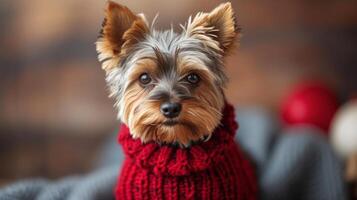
218, 29
121, 29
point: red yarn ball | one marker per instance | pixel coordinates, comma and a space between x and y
310, 103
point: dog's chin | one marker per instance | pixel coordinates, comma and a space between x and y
170, 123
171, 131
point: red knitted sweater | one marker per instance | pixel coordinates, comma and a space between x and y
215, 169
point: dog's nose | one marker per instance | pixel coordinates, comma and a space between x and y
170, 110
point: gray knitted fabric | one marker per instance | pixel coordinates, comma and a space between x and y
95, 186
297, 164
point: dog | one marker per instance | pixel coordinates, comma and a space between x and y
177, 127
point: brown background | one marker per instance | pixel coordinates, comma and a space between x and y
54, 110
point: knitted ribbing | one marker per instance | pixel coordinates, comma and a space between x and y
215, 169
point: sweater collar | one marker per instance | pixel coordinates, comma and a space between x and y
176, 161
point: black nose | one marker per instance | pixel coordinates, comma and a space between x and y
170, 110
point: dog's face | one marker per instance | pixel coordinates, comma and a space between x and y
168, 86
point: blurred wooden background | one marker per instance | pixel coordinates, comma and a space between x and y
54, 110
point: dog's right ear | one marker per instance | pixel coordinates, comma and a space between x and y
121, 30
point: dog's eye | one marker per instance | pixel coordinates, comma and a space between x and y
193, 78
144, 79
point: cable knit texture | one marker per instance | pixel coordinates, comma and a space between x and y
215, 169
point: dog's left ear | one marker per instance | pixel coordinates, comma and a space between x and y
121, 30
217, 29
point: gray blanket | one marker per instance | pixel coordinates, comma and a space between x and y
295, 163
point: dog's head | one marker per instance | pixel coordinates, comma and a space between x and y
168, 86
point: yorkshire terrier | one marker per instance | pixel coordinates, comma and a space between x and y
168, 89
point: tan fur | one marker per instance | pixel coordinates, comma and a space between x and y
143, 66
187, 66
201, 112
121, 29
217, 29
198, 118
